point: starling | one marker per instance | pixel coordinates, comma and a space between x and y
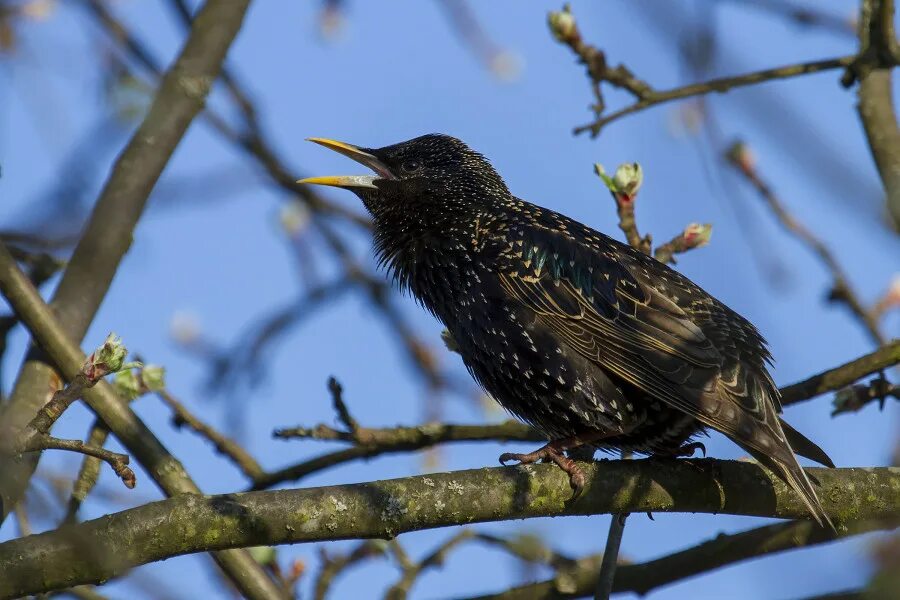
585, 338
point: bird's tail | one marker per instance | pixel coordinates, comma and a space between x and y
804, 446
789, 470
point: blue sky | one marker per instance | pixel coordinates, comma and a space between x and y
396, 71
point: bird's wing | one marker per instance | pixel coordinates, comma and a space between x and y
651, 327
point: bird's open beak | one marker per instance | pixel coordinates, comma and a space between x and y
360, 156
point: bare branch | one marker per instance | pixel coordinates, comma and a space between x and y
118, 462
842, 376
222, 443
333, 566
128, 428
377, 441
412, 570
577, 579
565, 29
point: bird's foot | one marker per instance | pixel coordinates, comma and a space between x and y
551, 453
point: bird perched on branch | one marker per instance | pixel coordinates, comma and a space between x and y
587, 339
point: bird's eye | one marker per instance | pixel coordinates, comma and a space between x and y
411, 166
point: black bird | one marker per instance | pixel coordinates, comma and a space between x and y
587, 339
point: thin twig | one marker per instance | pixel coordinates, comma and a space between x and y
412, 570
719, 85
118, 462
379, 441
337, 398
565, 29
333, 566
222, 443
608, 563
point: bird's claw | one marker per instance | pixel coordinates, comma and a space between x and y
686, 451
509, 456
569, 466
691, 448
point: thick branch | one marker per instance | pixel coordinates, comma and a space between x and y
878, 56
131, 431
97, 550
109, 232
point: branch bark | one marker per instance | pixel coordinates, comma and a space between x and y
103, 548
878, 55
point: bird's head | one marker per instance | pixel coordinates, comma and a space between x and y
432, 174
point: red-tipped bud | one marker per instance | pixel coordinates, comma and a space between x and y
697, 234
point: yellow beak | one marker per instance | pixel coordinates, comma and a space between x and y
357, 154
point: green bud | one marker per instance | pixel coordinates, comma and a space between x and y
127, 384
607, 180
562, 24
111, 354
153, 377
628, 179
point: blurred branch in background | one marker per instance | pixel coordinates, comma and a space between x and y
742, 159
503, 63
228, 367
577, 579
805, 15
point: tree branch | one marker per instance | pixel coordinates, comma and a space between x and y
222, 443
565, 30
109, 232
103, 548
723, 550
377, 441
878, 54
842, 376
131, 431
